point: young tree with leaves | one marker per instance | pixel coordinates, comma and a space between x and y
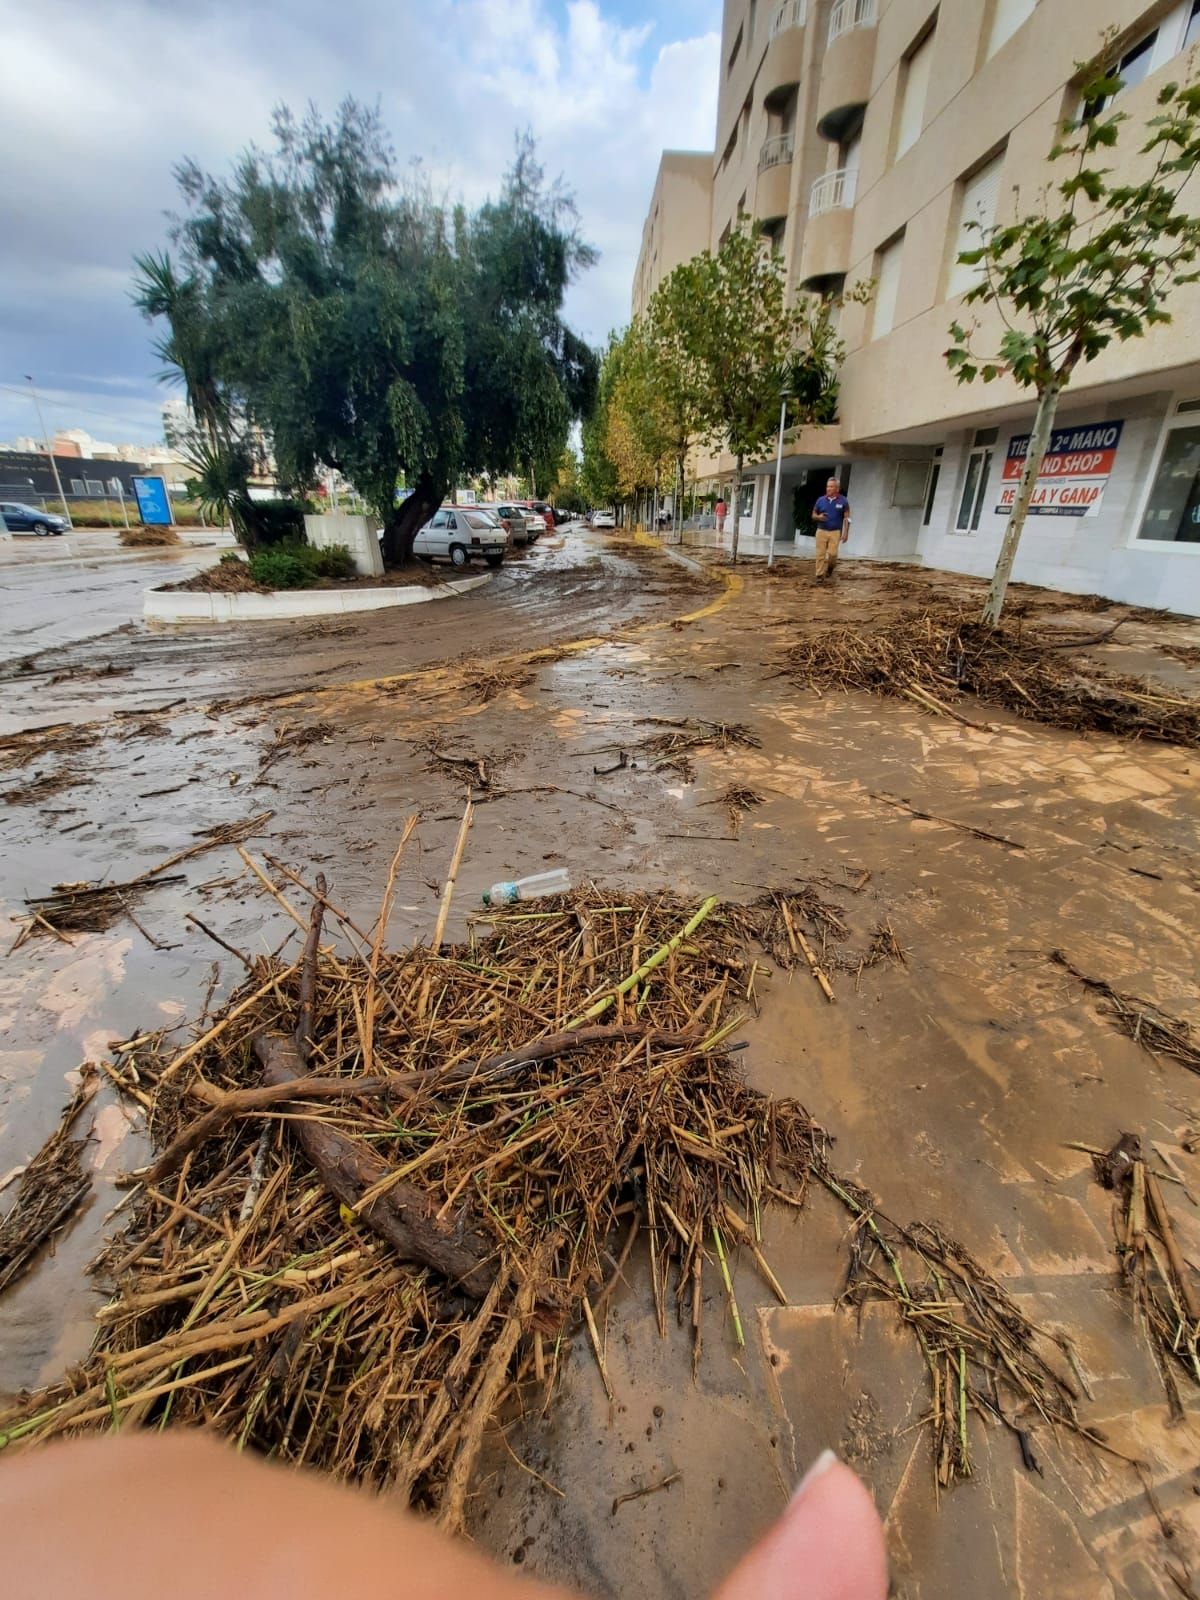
739, 335
1094, 262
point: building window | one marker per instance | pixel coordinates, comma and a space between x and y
1191, 34
746, 508
1133, 66
887, 287
935, 472
977, 211
974, 492
1172, 513
1007, 17
908, 486
77, 486
913, 92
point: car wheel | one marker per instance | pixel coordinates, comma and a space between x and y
458, 555
494, 561
42, 529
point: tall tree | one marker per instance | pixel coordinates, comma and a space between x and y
598, 474
674, 378
369, 330
1094, 262
739, 335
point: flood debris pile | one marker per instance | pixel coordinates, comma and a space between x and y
48, 750
227, 577
376, 1208
1141, 1020
1162, 1289
983, 1355
937, 653
51, 1189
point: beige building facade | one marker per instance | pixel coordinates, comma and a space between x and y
861, 136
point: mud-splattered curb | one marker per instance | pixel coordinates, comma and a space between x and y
161, 605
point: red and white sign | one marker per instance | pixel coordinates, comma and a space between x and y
1076, 468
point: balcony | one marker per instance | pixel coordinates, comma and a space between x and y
825, 248
845, 85
775, 152
850, 14
774, 189
783, 62
834, 192
791, 14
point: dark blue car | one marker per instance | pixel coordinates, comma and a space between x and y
19, 518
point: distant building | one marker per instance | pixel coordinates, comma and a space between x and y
861, 137
678, 224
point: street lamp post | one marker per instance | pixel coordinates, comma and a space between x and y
783, 400
46, 441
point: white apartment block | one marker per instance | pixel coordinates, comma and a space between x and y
860, 136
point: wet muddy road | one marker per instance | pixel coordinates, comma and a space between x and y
953, 1084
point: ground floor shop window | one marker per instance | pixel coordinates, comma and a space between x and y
1173, 510
974, 491
747, 505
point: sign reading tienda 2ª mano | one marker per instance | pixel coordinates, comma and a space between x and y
1071, 482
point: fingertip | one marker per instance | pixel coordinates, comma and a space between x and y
827, 1545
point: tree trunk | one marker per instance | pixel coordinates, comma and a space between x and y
1038, 443
407, 520
736, 508
458, 1246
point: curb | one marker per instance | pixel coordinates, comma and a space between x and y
159, 605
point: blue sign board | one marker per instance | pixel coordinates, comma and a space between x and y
153, 502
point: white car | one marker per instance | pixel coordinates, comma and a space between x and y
460, 535
535, 522
603, 519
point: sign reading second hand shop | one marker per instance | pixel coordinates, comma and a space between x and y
1074, 473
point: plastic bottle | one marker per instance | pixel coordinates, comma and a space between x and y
542, 883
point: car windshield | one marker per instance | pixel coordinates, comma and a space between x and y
476, 519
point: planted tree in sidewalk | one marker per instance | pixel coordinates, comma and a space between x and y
598, 473
1093, 262
739, 336
674, 383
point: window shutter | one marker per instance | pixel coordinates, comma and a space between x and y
1007, 17
887, 289
979, 198
912, 106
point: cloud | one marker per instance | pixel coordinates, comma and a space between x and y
146, 83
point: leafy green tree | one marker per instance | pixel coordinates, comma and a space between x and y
739, 337
365, 328
1093, 262
598, 475
673, 379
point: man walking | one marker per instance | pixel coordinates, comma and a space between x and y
832, 517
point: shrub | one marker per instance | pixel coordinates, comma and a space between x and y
275, 522
299, 566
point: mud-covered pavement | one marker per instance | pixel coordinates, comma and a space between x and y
953, 1085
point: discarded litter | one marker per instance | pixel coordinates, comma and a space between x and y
532, 888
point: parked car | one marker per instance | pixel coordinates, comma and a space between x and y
460, 535
547, 512
561, 516
603, 519
536, 522
20, 518
513, 520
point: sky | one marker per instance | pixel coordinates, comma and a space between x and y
101, 101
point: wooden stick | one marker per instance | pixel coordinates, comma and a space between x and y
595, 1338
796, 937
451, 876
655, 961
1161, 1217
385, 911
272, 890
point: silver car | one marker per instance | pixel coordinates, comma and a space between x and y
460, 535
514, 518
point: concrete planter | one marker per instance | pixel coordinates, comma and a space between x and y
165, 605
360, 535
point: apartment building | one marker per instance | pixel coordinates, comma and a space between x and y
679, 222
861, 136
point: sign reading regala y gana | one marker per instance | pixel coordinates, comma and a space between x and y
1076, 468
